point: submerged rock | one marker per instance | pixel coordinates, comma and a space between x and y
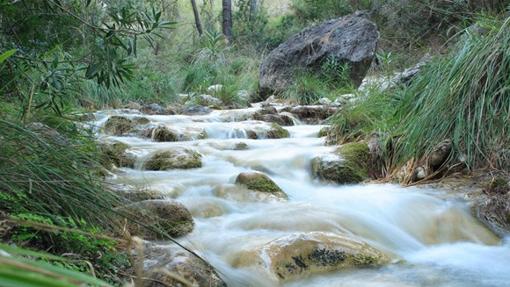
277, 132
178, 158
351, 39
179, 268
350, 166
241, 146
118, 126
169, 216
300, 255
260, 182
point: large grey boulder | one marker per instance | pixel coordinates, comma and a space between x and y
351, 39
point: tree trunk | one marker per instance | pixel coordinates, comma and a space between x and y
197, 17
227, 19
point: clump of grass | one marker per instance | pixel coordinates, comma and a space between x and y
40, 175
364, 114
464, 97
306, 89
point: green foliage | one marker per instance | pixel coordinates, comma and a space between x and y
331, 79
307, 89
363, 115
316, 10
25, 268
52, 59
250, 22
464, 97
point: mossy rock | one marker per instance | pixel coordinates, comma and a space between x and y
277, 132
300, 255
115, 153
179, 158
350, 165
324, 132
168, 216
163, 134
141, 121
260, 182
118, 126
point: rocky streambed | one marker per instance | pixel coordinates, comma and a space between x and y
257, 193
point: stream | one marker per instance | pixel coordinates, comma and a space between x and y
430, 236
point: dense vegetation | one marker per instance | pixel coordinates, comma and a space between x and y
61, 58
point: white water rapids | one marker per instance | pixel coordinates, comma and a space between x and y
432, 238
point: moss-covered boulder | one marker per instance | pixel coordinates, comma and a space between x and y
118, 126
260, 182
303, 254
177, 158
163, 134
277, 132
115, 154
168, 216
177, 266
349, 165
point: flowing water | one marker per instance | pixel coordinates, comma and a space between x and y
432, 238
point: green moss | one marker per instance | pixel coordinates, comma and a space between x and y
115, 154
277, 132
263, 185
357, 157
164, 160
260, 182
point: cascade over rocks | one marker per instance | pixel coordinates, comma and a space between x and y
170, 216
177, 158
351, 39
300, 255
260, 182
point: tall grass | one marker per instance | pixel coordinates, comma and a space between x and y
464, 97
40, 175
